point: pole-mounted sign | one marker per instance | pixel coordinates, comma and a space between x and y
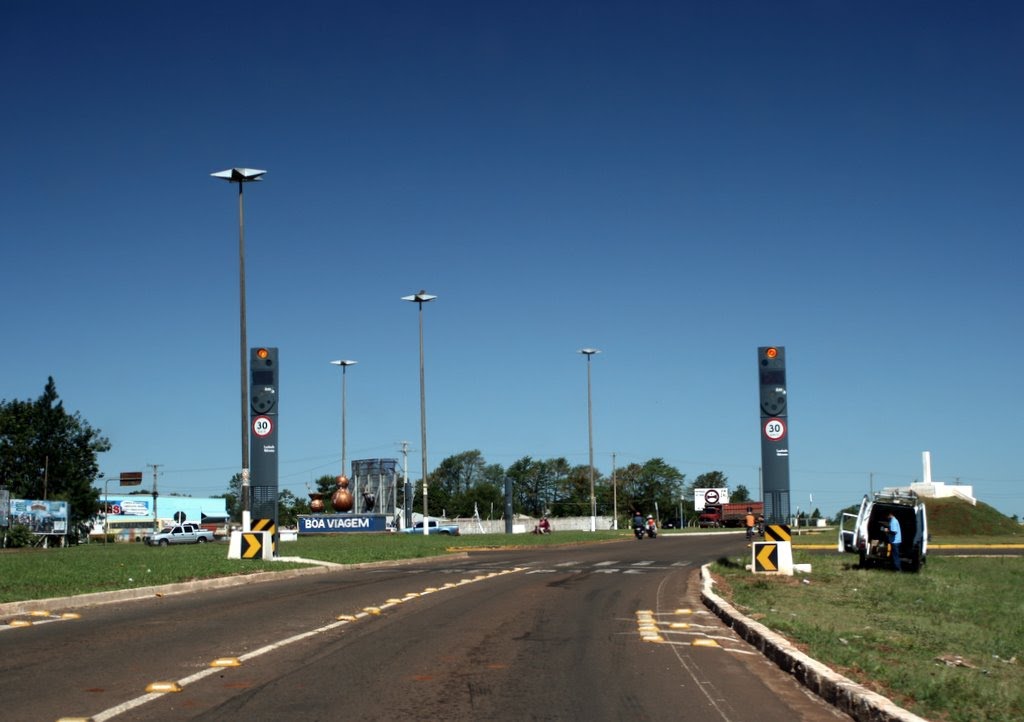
263, 427
771, 365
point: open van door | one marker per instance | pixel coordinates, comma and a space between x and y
924, 531
919, 550
848, 526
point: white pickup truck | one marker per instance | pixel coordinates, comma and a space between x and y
180, 534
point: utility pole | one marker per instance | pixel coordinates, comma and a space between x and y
405, 484
156, 517
615, 498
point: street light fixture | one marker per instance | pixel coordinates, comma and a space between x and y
241, 176
344, 363
588, 352
421, 298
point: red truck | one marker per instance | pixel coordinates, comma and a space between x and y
729, 514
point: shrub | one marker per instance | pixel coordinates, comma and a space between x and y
20, 536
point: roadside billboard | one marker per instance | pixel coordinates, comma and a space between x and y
709, 497
198, 510
41, 517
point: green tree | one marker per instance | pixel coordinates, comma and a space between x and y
740, 494
464, 482
233, 498
289, 507
649, 486
572, 492
327, 485
47, 453
539, 486
454, 478
711, 480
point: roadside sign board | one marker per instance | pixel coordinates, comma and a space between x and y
131, 478
709, 497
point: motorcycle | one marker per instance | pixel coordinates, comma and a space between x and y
640, 531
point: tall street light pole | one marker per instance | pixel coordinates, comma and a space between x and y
241, 176
588, 352
421, 298
344, 363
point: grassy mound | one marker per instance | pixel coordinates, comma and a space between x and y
956, 517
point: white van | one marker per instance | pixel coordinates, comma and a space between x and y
866, 532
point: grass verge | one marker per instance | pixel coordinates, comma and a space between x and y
27, 574
947, 644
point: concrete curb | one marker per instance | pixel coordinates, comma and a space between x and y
165, 590
846, 695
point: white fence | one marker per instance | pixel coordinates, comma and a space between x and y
525, 525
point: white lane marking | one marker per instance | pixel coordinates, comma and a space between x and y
149, 697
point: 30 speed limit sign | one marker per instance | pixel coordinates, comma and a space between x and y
262, 426
775, 429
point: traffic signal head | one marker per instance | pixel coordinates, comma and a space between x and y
772, 378
263, 373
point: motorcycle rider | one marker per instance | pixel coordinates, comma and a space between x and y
652, 528
638, 524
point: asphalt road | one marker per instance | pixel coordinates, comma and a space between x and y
611, 631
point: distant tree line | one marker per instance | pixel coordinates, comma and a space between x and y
464, 484
49, 453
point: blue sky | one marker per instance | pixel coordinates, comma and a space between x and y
674, 183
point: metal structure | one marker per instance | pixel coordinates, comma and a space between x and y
771, 363
264, 429
375, 486
344, 364
241, 176
419, 299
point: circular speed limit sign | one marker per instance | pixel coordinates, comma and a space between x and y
262, 426
775, 429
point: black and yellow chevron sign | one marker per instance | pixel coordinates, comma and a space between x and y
252, 545
766, 557
777, 532
266, 525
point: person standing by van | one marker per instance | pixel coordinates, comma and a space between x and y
895, 539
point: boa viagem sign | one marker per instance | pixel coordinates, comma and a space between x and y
338, 523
